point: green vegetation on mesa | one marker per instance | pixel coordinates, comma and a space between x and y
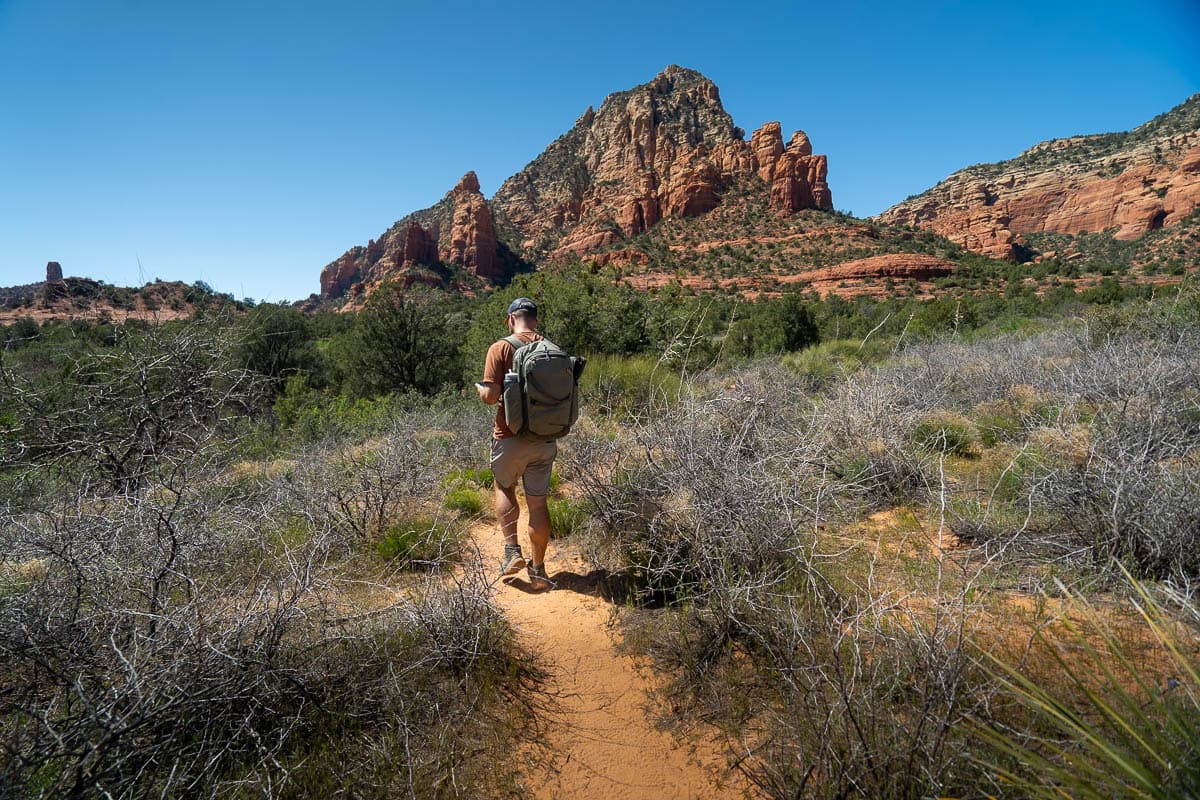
880, 544
742, 237
743, 245
74, 295
1169, 251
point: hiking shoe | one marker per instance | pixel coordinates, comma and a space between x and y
538, 577
513, 562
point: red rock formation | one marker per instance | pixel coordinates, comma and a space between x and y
898, 266
459, 230
767, 145
419, 246
667, 148
664, 149
339, 276
472, 242
1133, 183
797, 178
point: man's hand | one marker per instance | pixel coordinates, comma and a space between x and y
488, 392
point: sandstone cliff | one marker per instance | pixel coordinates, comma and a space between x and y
458, 230
664, 149
1132, 182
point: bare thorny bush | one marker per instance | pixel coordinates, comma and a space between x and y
169, 627
722, 505
1109, 437
358, 489
830, 680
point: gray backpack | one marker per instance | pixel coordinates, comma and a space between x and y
541, 393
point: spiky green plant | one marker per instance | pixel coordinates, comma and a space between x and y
1125, 736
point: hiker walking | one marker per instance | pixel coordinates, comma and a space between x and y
532, 383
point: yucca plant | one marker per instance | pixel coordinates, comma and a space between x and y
1123, 735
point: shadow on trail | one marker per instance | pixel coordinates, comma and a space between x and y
623, 588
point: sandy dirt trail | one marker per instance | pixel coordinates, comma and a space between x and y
601, 740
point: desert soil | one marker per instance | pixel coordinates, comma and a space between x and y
600, 736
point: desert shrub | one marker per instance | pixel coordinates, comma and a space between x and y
566, 516
820, 365
864, 421
945, 432
626, 384
1134, 495
200, 626
164, 647
311, 415
690, 502
1006, 419
846, 700
714, 507
419, 542
469, 476
359, 489
120, 415
464, 500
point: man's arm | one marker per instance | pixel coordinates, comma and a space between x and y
489, 392
494, 365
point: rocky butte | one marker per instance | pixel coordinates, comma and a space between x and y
665, 148
1129, 183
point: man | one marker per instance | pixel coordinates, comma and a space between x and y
513, 457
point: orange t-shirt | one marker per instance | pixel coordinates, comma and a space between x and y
499, 361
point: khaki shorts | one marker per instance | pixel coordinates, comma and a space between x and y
515, 457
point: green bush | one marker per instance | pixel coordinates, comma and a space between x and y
415, 541
782, 325
822, 363
946, 432
621, 384
311, 414
566, 516
998, 425
464, 500
469, 477
402, 340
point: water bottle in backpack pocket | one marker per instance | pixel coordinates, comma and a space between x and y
514, 402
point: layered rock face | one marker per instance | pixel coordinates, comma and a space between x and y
667, 148
1133, 182
664, 149
458, 230
472, 241
795, 175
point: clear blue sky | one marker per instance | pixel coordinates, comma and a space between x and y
247, 144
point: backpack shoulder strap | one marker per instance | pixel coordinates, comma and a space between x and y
514, 341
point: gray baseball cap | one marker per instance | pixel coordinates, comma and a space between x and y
522, 304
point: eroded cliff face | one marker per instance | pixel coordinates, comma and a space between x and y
472, 239
458, 230
667, 148
664, 149
1132, 182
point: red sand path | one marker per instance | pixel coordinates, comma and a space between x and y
601, 740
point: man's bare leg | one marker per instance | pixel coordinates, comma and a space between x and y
507, 513
539, 528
